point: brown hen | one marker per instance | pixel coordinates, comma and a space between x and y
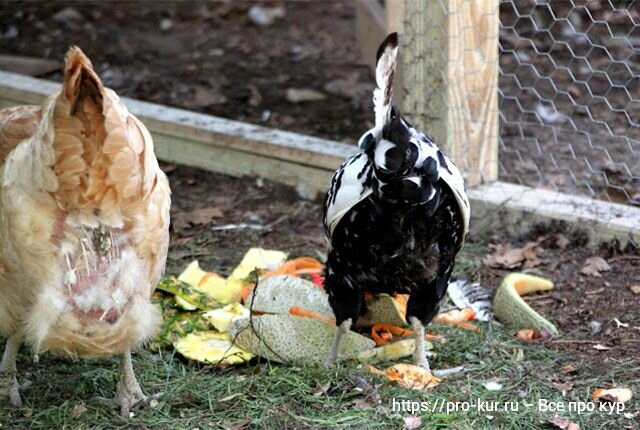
84, 228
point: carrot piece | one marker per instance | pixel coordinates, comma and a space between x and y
297, 267
306, 313
382, 333
401, 301
245, 290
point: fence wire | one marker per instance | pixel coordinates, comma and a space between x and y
569, 97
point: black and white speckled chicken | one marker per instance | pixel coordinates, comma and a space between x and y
396, 215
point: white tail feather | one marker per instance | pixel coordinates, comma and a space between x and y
385, 70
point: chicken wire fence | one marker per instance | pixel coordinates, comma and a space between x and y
568, 93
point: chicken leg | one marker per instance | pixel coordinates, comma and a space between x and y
128, 393
333, 354
419, 355
9, 387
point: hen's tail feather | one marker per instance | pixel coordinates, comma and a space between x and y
80, 80
100, 148
386, 60
465, 294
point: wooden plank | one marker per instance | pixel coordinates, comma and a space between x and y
517, 208
244, 137
370, 29
394, 16
451, 79
310, 182
188, 142
32, 66
231, 147
373, 24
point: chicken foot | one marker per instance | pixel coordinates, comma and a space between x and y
333, 354
9, 387
419, 354
129, 395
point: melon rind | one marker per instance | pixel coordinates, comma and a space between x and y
382, 309
277, 294
294, 340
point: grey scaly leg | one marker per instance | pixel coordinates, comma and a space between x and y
333, 354
128, 392
419, 355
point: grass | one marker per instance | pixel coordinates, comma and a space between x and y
269, 395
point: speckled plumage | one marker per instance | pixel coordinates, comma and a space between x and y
396, 213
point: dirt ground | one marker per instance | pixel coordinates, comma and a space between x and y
208, 57
577, 303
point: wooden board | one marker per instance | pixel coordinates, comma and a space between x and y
239, 149
231, 147
517, 208
450, 69
373, 24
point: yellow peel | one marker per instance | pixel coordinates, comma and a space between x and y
211, 347
528, 284
214, 286
221, 318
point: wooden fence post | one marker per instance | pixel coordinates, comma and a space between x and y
450, 68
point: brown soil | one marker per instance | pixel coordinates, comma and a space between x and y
295, 227
580, 303
214, 60
209, 57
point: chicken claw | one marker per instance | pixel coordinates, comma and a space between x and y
129, 395
9, 387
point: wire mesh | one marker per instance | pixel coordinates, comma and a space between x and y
568, 89
569, 96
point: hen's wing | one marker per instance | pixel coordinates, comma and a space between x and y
16, 124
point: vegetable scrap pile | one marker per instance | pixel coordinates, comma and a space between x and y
277, 309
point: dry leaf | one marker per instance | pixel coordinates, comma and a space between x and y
614, 395
412, 422
322, 389
564, 424
78, 410
411, 376
505, 257
564, 388
594, 265
182, 220
562, 241
526, 334
363, 403
635, 289
458, 318
240, 425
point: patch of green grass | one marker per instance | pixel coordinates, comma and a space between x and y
269, 395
